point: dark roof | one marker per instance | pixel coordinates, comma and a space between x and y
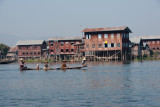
107, 29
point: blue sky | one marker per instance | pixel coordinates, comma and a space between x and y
42, 19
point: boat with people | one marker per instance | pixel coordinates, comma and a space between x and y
46, 67
79, 67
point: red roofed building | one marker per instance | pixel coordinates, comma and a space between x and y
106, 43
64, 48
31, 49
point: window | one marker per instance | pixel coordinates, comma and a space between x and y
87, 45
61, 50
77, 42
105, 45
112, 36
72, 43
72, 50
118, 44
112, 44
126, 44
38, 53
157, 48
118, 35
100, 45
88, 36
35, 47
105, 35
27, 48
51, 43
123, 44
27, 53
153, 42
52, 51
61, 43
35, 53
23, 53
67, 50
93, 45
99, 36
66, 43
127, 35
123, 35
19, 47
31, 53
153, 48
157, 42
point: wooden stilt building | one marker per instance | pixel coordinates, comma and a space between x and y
104, 44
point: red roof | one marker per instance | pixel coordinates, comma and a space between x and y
106, 29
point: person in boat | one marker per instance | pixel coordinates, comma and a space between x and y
64, 64
46, 65
22, 64
84, 62
37, 67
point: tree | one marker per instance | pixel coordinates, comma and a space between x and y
3, 49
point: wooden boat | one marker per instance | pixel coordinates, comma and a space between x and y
54, 68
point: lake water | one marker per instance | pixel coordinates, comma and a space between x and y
105, 84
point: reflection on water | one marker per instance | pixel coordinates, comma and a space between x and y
101, 84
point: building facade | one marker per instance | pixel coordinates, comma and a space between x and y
64, 48
106, 43
12, 53
145, 45
31, 49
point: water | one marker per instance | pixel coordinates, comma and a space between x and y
105, 84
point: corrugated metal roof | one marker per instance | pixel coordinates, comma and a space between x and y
106, 29
136, 39
30, 42
13, 49
66, 38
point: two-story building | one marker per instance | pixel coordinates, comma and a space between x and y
64, 47
145, 45
106, 43
31, 49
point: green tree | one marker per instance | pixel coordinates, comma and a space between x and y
3, 49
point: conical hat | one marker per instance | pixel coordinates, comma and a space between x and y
84, 58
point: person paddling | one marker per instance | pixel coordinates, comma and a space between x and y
46, 65
37, 67
64, 64
84, 62
22, 63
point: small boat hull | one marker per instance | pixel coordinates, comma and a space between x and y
54, 68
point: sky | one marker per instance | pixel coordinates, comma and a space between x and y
43, 19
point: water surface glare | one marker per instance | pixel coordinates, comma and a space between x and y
105, 84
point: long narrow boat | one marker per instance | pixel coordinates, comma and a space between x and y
54, 68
